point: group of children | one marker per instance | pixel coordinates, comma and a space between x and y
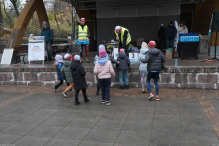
71, 70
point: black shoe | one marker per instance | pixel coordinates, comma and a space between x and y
97, 93
77, 102
86, 100
126, 86
121, 87
143, 92
88, 61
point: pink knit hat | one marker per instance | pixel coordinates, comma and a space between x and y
102, 53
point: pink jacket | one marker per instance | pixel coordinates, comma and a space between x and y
104, 71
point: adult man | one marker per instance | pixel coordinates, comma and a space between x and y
49, 37
170, 34
155, 59
83, 32
161, 34
123, 38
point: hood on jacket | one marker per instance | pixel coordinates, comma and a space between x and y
154, 51
67, 63
102, 61
75, 64
122, 55
143, 50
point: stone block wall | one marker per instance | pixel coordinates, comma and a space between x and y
172, 77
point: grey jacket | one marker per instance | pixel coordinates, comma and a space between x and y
66, 71
155, 59
142, 54
88, 33
124, 62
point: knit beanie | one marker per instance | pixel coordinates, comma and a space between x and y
102, 53
121, 50
101, 47
82, 19
144, 44
45, 23
152, 44
67, 56
77, 57
171, 22
58, 58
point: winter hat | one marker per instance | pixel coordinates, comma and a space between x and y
58, 58
67, 56
77, 57
82, 19
118, 29
171, 22
152, 44
45, 23
144, 44
102, 53
101, 47
121, 51
162, 25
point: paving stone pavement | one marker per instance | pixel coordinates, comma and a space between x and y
36, 116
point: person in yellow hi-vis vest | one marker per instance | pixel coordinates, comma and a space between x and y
82, 36
123, 38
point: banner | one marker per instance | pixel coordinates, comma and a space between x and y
36, 48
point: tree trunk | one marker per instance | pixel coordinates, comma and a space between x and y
1, 17
57, 24
15, 7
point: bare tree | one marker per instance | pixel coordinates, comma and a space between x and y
7, 14
55, 12
14, 3
1, 17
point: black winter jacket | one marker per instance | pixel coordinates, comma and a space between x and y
155, 59
78, 74
161, 34
124, 61
171, 31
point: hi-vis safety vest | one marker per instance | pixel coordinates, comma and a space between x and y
122, 35
82, 33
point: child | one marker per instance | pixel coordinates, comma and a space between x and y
124, 63
104, 70
66, 72
143, 66
155, 59
58, 65
78, 74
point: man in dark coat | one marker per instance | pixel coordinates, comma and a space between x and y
155, 59
170, 34
78, 74
49, 38
161, 34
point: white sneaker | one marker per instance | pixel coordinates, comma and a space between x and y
108, 103
64, 94
54, 89
103, 101
151, 96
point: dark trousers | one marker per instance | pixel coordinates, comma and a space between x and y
77, 92
98, 85
126, 48
105, 88
60, 83
155, 76
49, 50
162, 44
170, 42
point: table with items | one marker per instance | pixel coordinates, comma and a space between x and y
188, 46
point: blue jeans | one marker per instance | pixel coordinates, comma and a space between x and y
105, 88
170, 40
155, 76
123, 73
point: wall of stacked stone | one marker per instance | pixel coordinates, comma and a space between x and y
172, 77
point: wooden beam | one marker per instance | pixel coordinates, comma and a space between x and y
23, 20
213, 34
196, 16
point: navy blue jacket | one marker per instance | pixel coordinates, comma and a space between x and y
60, 64
48, 34
124, 61
171, 31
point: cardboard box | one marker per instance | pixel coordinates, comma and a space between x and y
169, 54
139, 41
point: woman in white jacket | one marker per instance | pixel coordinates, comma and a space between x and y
143, 66
181, 29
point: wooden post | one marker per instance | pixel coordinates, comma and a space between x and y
196, 16
23, 20
213, 34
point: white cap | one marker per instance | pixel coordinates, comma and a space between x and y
118, 27
162, 25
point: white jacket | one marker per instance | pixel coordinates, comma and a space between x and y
181, 30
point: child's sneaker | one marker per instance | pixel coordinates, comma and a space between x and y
151, 96
64, 94
103, 101
107, 103
157, 98
72, 90
54, 89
